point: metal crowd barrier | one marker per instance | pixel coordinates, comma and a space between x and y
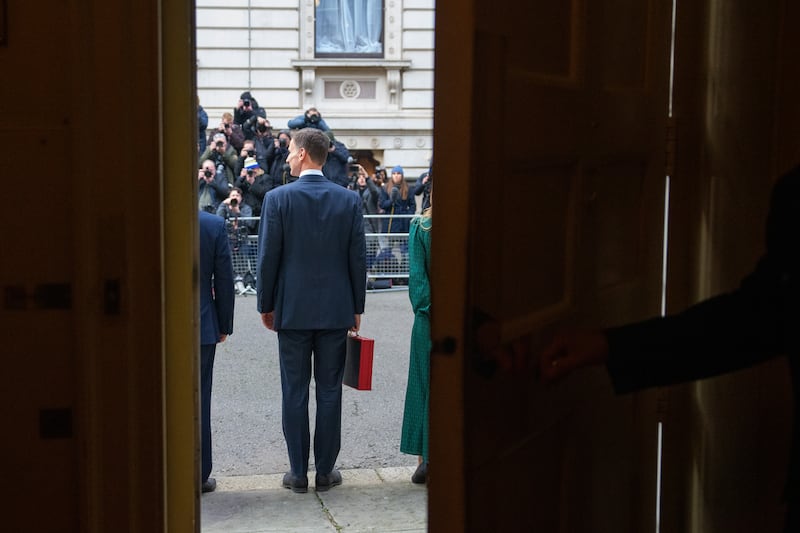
387, 255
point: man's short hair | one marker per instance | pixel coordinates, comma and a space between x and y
315, 142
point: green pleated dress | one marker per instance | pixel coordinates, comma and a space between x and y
414, 437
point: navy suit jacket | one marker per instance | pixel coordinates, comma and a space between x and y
312, 255
217, 296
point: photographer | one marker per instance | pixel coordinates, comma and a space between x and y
246, 112
222, 155
233, 132
423, 187
259, 129
278, 168
370, 194
335, 167
379, 177
312, 118
254, 184
233, 209
212, 187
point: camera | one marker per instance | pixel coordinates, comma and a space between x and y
220, 144
314, 118
207, 173
355, 169
251, 153
282, 142
234, 202
262, 128
250, 172
246, 103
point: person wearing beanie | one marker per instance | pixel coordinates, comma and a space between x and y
397, 202
396, 199
253, 182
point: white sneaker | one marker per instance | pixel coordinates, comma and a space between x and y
240, 289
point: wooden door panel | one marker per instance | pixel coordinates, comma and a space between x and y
566, 226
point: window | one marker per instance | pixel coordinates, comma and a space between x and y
349, 28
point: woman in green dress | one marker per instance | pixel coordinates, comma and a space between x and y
414, 437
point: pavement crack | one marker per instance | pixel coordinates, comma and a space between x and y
328, 514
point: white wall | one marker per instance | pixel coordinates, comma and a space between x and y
256, 45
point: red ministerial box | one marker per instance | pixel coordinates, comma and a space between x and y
358, 363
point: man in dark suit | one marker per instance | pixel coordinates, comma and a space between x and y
216, 320
311, 290
753, 323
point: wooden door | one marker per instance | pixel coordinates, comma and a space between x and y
726, 440
549, 163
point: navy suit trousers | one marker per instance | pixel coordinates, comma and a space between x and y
296, 348
207, 353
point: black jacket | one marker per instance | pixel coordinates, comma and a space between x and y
739, 329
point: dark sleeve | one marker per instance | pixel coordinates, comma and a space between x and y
237, 138
719, 335
220, 185
202, 119
262, 186
385, 201
297, 122
247, 212
358, 257
224, 296
340, 153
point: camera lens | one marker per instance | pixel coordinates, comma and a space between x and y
250, 172
234, 202
251, 153
219, 144
207, 173
246, 103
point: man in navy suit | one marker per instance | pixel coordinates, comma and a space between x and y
311, 290
216, 320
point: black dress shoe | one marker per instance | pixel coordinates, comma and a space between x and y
420, 475
298, 484
209, 485
323, 482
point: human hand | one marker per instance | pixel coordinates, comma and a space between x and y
222, 337
570, 351
268, 319
357, 325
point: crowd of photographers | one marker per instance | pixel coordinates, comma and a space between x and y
242, 159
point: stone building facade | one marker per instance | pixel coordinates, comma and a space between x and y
379, 104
